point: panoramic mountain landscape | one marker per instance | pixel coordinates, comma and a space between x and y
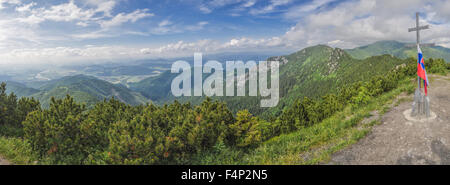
92, 82
317, 70
311, 72
315, 77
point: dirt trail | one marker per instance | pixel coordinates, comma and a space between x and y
400, 141
3, 161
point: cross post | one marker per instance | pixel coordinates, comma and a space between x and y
421, 103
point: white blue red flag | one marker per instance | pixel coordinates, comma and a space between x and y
421, 72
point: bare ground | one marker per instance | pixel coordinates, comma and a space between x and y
3, 161
400, 141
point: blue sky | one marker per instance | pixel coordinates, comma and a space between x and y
166, 21
57, 31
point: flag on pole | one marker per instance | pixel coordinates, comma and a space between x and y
421, 72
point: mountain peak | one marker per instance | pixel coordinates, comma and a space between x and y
319, 47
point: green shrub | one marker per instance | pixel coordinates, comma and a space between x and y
362, 98
136, 142
8, 106
25, 106
245, 132
436, 66
17, 151
13, 112
94, 128
55, 133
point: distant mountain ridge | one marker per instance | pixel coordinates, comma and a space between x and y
398, 49
86, 89
19, 89
311, 72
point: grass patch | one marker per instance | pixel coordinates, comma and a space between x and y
17, 151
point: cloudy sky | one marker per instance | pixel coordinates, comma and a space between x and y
58, 31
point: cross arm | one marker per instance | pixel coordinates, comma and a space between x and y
422, 45
420, 28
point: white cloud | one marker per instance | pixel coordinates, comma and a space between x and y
164, 23
4, 3
105, 6
67, 12
31, 20
355, 23
196, 27
68, 55
208, 6
71, 12
182, 48
21, 24
83, 24
121, 18
220, 3
249, 3
17, 35
26, 7
270, 8
443, 13
204, 9
299, 11
92, 35
168, 27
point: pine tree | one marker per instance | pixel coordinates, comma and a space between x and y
245, 131
55, 132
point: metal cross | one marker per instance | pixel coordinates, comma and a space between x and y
417, 30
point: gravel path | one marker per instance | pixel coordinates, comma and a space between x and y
401, 141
